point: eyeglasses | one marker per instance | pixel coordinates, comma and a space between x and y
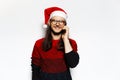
53, 21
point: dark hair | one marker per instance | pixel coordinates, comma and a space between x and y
47, 43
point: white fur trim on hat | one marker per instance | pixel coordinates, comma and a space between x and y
59, 13
44, 26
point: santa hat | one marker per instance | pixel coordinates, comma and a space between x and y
53, 11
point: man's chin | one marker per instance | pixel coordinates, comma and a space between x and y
56, 33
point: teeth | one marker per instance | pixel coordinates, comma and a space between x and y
57, 28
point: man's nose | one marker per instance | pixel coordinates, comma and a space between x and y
57, 23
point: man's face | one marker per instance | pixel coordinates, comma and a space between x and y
57, 23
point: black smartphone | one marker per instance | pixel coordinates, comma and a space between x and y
63, 31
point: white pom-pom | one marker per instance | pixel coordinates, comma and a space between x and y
44, 26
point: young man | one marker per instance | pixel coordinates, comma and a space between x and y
54, 54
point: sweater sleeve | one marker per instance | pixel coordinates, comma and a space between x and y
35, 72
35, 63
72, 57
36, 59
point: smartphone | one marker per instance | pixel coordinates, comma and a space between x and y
63, 31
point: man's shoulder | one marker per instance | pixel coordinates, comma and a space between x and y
73, 44
38, 42
72, 40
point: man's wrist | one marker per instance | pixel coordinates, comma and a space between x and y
66, 39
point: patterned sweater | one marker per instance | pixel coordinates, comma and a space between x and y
53, 61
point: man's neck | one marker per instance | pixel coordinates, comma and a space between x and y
56, 37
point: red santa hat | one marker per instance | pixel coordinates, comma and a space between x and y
53, 11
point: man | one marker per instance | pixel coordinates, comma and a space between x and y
54, 54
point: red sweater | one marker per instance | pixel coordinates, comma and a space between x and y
52, 61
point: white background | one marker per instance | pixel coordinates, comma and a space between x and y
94, 24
